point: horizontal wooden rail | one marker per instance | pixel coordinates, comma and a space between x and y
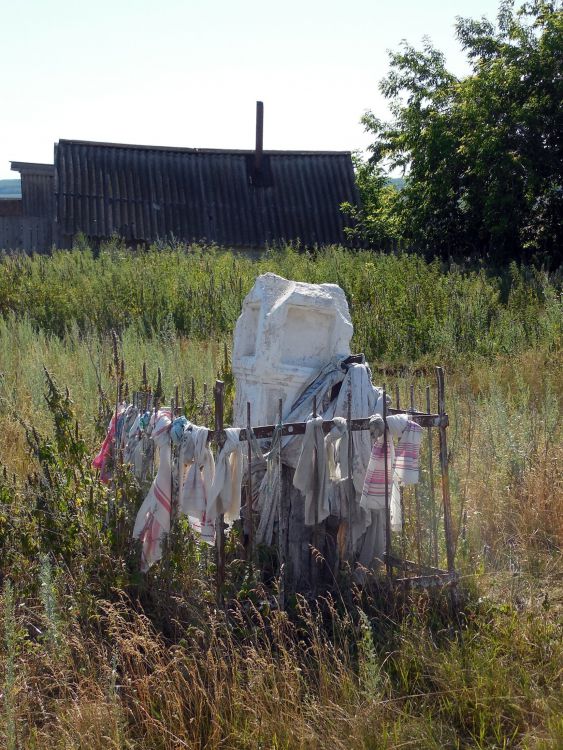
428, 570
298, 428
429, 581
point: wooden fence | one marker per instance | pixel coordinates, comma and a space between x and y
430, 521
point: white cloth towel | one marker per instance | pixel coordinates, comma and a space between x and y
365, 400
197, 460
153, 519
224, 496
336, 444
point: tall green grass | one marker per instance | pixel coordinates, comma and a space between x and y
403, 307
95, 655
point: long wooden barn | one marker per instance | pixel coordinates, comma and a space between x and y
242, 199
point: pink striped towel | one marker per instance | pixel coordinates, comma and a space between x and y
407, 454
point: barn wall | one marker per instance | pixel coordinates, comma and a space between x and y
38, 198
29, 233
147, 193
11, 207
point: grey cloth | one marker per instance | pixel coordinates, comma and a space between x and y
311, 474
302, 408
336, 443
269, 493
364, 401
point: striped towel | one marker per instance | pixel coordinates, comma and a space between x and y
373, 493
402, 466
407, 454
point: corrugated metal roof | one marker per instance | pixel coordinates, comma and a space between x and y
148, 192
32, 167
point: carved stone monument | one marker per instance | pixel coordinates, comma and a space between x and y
286, 333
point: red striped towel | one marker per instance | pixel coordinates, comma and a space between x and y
407, 454
402, 465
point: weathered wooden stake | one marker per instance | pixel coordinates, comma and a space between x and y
418, 529
250, 503
445, 472
348, 550
283, 520
173, 498
431, 478
402, 500
316, 531
220, 522
387, 504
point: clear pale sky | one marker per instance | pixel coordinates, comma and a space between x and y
189, 73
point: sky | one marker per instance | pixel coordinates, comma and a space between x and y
188, 73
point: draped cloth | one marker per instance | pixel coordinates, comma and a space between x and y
365, 399
336, 445
224, 495
101, 460
373, 491
407, 454
153, 519
197, 468
269, 491
311, 474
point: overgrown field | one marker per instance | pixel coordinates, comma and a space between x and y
95, 655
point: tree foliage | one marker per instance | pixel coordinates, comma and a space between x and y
376, 220
482, 154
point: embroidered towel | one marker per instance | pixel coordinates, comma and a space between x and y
407, 454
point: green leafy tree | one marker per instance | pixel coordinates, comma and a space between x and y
483, 154
376, 220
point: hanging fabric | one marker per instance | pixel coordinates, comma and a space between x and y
197, 460
365, 398
311, 473
373, 491
269, 491
102, 460
153, 519
224, 496
407, 454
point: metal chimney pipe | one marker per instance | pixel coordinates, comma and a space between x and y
259, 137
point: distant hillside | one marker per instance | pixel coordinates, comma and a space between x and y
398, 182
10, 189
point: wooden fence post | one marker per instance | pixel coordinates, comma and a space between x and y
431, 478
250, 503
219, 393
418, 529
445, 471
348, 549
388, 566
283, 518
